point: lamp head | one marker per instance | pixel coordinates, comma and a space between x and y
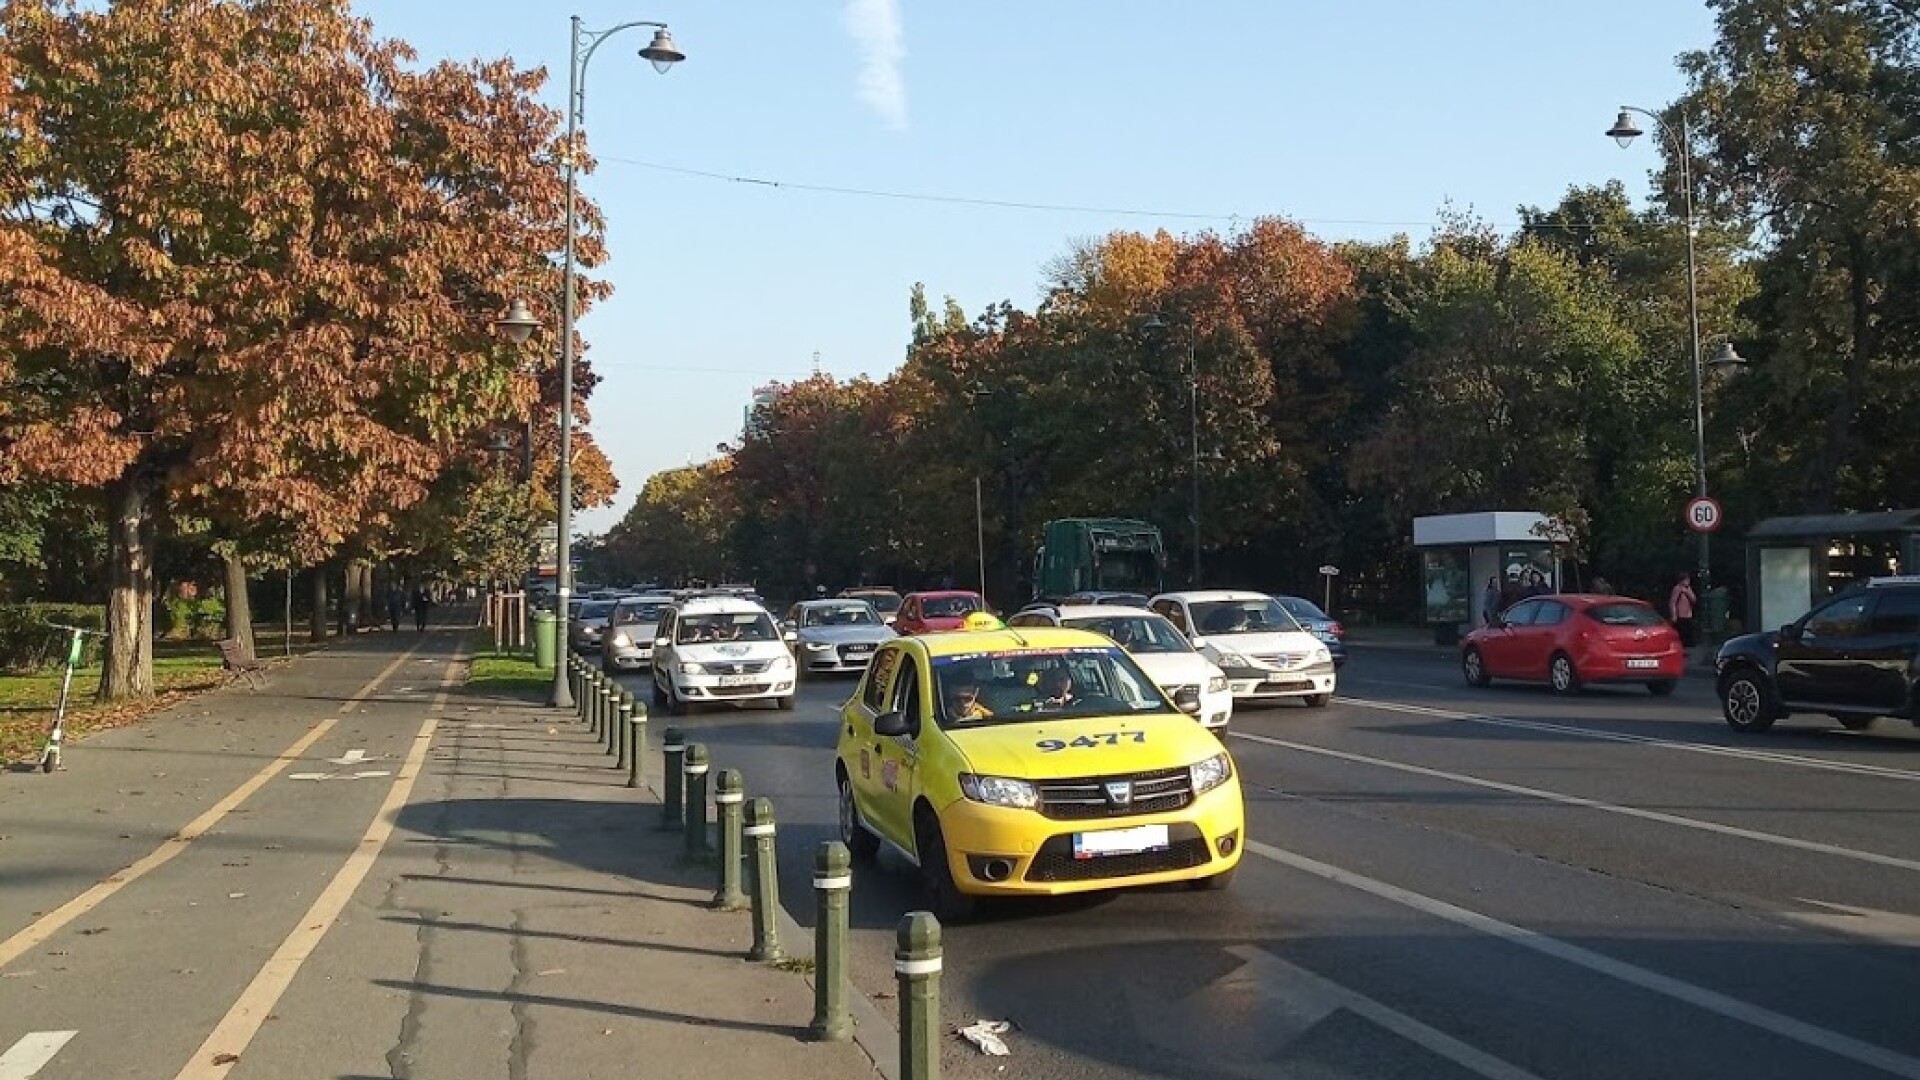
661, 52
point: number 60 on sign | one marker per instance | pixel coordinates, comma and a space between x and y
1703, 514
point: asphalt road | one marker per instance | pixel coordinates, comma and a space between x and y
1449, 882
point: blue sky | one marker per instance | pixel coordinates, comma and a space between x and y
1360, 119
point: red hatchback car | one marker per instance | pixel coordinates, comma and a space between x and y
1570, 640
927, 612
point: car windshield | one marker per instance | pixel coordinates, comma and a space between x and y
1301, 610
948, 607
732, 626
852, 614
596, 609
1137, 633
886, 603
1618, 614
1259, 616
1024, 686
637, 614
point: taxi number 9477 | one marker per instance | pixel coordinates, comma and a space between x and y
1111, 738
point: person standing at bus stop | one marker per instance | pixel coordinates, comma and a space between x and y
1680, 606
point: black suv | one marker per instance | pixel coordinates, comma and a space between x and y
1854, 657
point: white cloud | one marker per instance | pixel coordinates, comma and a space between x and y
875, 28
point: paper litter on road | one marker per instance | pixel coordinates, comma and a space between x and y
985, 1034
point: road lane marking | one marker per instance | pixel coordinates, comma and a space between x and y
1773, 757
32, 1053
235, 1032
1756, 836
1888, 927
1819, 1038
50, 924
351, 757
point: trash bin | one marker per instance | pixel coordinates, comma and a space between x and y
543, 638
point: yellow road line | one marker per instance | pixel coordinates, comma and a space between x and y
217, 1056
51, 923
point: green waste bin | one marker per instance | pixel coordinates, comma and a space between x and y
543, 638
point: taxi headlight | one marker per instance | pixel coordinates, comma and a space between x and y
1216, 683
999, 791
691, 668
1211, 773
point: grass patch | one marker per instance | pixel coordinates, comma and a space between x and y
800, 964
506, 674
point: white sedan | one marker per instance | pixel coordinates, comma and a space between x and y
1160, 650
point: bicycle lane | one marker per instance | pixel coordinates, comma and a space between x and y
141, 945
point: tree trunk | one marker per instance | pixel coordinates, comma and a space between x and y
317, 618
128, 672
239, 603
1838, 450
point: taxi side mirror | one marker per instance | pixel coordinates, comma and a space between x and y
891, 724
1188, 700
786, 624
661, 643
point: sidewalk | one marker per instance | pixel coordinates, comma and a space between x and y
524, 917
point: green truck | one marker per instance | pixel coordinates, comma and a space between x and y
1098, 555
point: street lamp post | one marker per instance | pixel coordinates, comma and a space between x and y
1624, 131
1154, 328
974, 394
662, 53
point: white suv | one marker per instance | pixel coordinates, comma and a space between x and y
720, 649
1264, 650
1190, 679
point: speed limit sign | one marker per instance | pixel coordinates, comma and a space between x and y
1703, 514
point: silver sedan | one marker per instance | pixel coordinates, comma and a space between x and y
836, 635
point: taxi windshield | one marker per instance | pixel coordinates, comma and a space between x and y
1021, 686
741, 626
1137, 633
850, 614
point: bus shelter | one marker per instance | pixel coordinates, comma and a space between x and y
1795, 562
1460, 552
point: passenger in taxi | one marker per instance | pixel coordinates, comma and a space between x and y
960, 695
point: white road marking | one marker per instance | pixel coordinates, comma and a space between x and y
32, 1053
1890, 927
351, 757
1772, 757
1755, 835
365, 774
1787, 1027
1307, 992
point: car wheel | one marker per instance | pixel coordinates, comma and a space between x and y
1855, 723
1474, 667
1317, 701
784, 704
1563, 675
1213, 882
1748, 702
1662, 687
861, 844
943, 894
676, 705
659, 695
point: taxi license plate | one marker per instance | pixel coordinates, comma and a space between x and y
1092, 845
1643, 662
738, 680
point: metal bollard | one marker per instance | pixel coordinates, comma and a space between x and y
573, 677
766, 882
582, 701
728, 798
610, 714
638, 738
696, 767
916, 967
671, 751
623, 723
597, 702
832, 887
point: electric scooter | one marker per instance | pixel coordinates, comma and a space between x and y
50, 755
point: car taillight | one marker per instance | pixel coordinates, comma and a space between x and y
1337, 630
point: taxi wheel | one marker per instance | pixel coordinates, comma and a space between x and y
1214, 882
944, 897
861, 844
1317, 701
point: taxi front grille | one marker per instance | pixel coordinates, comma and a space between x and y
1078, 799
736, 667
1185, 850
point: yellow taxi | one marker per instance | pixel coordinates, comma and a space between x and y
1035, 761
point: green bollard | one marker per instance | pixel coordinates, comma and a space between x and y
916, 967
728, 797
696, 767
623, 723
832, 887
766, 882
672, 751
573, 676
610, 714
638, 739
597, 702
581, 702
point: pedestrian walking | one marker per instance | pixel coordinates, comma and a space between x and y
1490, 600
422, 600
1680, 608
396, 604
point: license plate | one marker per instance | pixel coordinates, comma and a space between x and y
738, 680
1092, 845
859, 648
1641, 662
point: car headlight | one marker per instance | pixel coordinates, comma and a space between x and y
782, 663
691, 669
1211, 773
1322, 655
622, 641
1216, 683
999, 791
1233, 659
820, 646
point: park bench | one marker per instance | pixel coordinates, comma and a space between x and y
237, 658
